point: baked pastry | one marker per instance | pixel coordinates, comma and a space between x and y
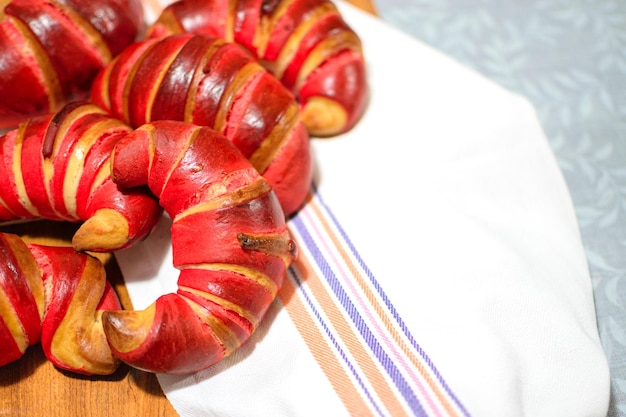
56, 296
304, 43
229, 240
57, 167
50, 51
210, 82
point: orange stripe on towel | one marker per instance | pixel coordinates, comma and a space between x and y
322, 353
347, 334
380, 311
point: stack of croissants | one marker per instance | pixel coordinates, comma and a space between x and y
204, 115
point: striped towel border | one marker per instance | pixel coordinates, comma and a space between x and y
352, 328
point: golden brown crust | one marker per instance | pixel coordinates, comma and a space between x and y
106, 230
79, 342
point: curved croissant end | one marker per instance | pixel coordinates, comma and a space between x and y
57, 167
304, 43
229, 239
77, 293
54, 295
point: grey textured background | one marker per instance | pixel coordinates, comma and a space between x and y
568, 57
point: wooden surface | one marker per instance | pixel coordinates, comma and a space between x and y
367, 5
33, 387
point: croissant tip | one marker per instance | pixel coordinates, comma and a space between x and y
324, 117
126, 330
107, 230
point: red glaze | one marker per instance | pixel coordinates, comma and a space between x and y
55, 296
209, 82
119, 22
304, 43
229, 239
79, 140
50, 51
21, 287
77, 291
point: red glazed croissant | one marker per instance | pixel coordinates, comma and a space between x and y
50, 51
57, 167
229, 239
304, 43
54, 295
210, 82
21, 299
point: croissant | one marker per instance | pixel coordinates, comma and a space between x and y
56, 296
52, 50
229, 239
304, 43
211, 82
57, 167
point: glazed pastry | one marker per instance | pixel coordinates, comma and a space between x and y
304, 43
229, 240
57, 167
210, 82
56, 296
52, 50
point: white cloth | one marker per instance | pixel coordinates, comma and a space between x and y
449, 195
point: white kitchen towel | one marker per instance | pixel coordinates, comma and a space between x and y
440, 273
